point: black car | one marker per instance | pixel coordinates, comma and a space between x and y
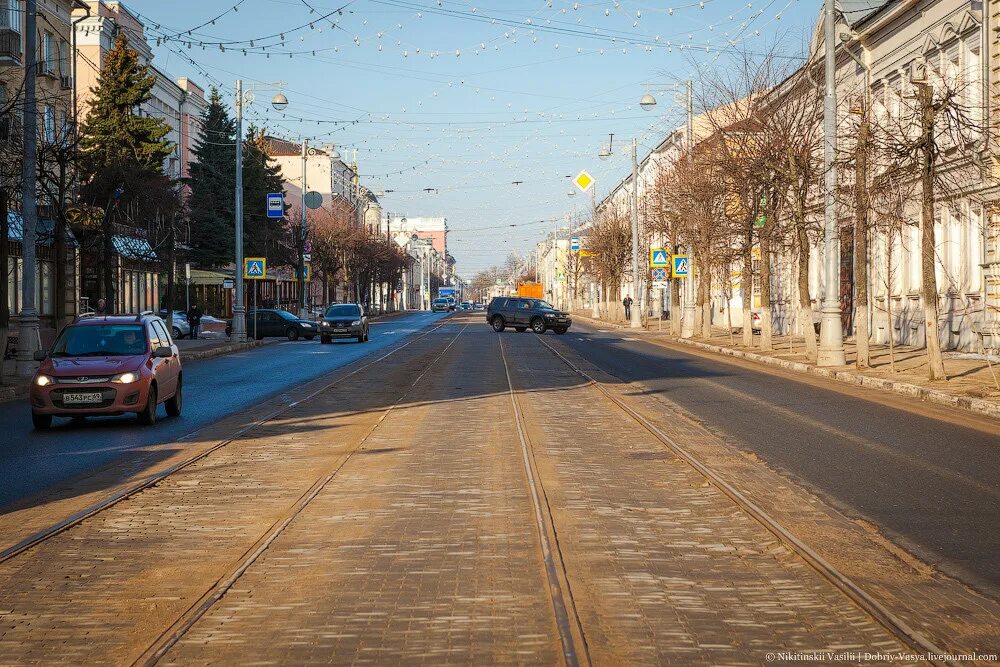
523, 313
276, 323
344, 320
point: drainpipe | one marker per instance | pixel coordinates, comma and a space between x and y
83, 5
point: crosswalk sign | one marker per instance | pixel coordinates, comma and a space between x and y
681, 266
307, 270
255, 268
659, 257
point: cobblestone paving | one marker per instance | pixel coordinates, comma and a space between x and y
423, 551
101, 592
664, 568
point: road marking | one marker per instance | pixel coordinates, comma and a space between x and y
630, 339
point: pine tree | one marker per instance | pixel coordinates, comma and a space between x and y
114, 134
265, 237
213, 183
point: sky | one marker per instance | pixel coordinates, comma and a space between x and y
475, 110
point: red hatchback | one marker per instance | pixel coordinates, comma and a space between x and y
108, 365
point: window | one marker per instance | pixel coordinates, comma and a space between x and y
154, 337
974, 84
10, 15
48, 53
50, 124
164, 337
64, 64
974, 257
6, 115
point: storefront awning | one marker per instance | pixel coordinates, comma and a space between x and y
45, 231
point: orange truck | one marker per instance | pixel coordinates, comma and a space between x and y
530, 290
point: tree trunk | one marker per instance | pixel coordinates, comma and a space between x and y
171, 273
802, 239
861, 247
706, 307
107, 261
675, 302
4, 271
935, 362
59, 275
890, 325
699, 297
746, 287
766, 334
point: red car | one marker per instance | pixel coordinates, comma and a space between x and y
108, 365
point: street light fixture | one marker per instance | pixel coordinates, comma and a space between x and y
647, 102
279, 102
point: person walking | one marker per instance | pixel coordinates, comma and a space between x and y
194, 320
102, 307
627, 302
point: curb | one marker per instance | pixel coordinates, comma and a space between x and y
13, 393
976, 405
219, 351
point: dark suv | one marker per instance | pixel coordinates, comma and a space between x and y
523, 314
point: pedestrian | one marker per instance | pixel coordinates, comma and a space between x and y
194, 320
102, 307
627, 302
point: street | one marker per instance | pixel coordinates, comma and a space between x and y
214, 388
503, 498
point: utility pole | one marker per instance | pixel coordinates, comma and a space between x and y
27, 338
303, 233
687, 329
831, 333
637, 295
239, 332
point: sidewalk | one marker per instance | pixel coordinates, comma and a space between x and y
970, 384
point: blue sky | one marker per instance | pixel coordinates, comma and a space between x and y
464, 97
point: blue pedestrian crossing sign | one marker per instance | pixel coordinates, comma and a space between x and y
659, 258
682, 266
255, 268
275, 205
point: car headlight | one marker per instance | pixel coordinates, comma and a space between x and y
125, 378
43, 380
355, 323
325, 323
549, 315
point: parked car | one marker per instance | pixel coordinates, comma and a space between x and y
180, 327
344, 320
440, 305
108, 365
272, 323
522, 314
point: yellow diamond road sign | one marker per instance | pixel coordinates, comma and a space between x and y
583, 181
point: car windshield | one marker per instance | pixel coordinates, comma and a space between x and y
440, 300
112, 340
285, 315
544, 304
343, 310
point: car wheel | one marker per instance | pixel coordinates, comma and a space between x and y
229, 332
361, 338
520, 329
366, 335
41, 422
325, 340
309, 337
176, 333
560, 331
292, 333
497, 324
148, 415
175, 402
538, 325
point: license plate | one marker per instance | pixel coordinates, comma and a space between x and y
562, 319
340, 331
89, 397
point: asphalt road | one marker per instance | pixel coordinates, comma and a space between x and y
32, 461
931, 484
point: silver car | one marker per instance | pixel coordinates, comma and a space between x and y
181, 328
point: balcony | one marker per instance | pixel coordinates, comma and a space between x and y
10, 47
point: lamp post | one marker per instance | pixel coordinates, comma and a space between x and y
648, 102
279, 102
831, 331
27, 335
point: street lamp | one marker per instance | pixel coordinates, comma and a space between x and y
279, 102
647, 102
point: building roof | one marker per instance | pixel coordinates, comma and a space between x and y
45, 231
130, 247
857, 11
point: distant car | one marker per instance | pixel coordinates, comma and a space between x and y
440, 306
344, 320
108, 365
478, 306
180, 327
524, 313
452, 304
465, 305
273, 323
